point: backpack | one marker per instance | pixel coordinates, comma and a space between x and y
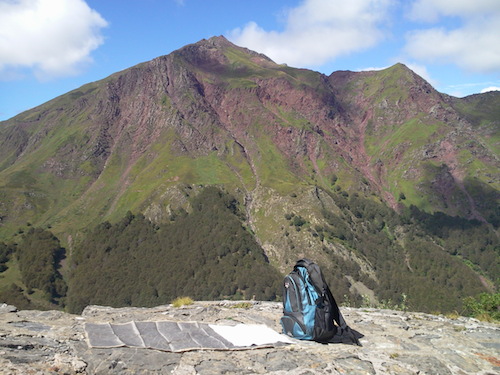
309, 310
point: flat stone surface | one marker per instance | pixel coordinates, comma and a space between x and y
394, 342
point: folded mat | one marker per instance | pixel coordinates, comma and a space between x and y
182, 336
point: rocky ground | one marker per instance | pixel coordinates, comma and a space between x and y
394, 342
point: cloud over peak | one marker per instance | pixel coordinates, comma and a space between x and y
317, 31
471, 42
457, 32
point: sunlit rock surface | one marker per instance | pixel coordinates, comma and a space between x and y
394, 342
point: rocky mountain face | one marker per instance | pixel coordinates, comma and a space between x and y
288, 143
410, 132
394, 342
215, 113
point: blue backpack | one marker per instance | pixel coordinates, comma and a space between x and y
309, 310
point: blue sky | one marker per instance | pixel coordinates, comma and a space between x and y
49, 47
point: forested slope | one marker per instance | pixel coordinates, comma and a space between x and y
206, 254
371, 256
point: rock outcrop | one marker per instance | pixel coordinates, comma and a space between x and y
394, 342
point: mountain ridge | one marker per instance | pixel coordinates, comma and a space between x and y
314, 160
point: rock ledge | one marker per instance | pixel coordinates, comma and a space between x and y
394, 342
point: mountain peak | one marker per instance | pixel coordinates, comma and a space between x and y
397, 82
404, 70
218, 51
220, 41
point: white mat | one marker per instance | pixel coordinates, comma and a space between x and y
250, 334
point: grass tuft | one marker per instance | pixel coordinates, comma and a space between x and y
182, 301
242, 305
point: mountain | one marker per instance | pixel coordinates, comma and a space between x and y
337, 168
440, 152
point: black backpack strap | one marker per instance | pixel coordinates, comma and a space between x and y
337, 315
314, 274
322, 288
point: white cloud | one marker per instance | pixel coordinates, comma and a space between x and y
491, 88
317, 31
430, 10
469, 88
473, 45
52, 37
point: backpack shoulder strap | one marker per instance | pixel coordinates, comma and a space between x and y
315, 274
322, 288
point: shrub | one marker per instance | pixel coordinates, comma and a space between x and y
182, 301
485, 307
298, 221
